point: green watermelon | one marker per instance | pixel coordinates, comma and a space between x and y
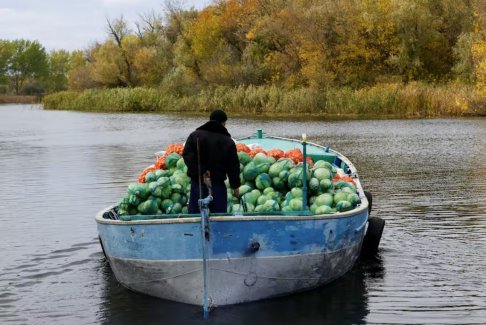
295, 180
159, 173
263, 168
243, 157
263, 181
166, 192
164, 181
325, 185
123, 207
155, 189
250, 172
259, 208
314, 185
171, 160
244, 189
324, 199
354, 199
323, 164
268, 190
262, 199
150, 177
125, 198
271, 206
139, 189
322, 173
252, 196
166, 205
284, 175
176, 208
340, 196
342, 184
278, 183
324, 209
296, 192
177, 188
344, 205
134, 200
181, 164
313, 208
296, 204
261, 158
148, 207
277, 168
176, 197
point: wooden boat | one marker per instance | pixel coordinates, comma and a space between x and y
245, 257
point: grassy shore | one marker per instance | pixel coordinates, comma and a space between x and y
383, 100
18, 99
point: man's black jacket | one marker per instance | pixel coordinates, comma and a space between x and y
217, 154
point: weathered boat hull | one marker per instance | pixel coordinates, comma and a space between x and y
163, 258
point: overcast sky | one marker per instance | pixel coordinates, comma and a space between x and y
71, 24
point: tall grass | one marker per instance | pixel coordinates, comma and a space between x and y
388, 100
18, 99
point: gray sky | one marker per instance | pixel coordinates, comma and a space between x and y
71, 24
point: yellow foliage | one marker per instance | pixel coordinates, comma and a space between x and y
108, 64
478, 51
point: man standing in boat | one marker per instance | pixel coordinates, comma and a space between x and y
211, 148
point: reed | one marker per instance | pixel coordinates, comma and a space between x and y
385, 100
18, 99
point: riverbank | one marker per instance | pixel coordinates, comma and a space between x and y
387, 100
18, 99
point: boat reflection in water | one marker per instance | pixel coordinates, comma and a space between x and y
344, 301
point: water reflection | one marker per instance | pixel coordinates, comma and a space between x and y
343, 301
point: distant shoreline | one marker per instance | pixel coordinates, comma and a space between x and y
395, 100
18, 99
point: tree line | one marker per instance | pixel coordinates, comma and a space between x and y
317, 44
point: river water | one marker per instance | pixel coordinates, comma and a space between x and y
58, 168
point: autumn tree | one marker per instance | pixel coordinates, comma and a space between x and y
120, 34
428, 31
59, 66
80, 75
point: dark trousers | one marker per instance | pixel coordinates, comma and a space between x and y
220, 197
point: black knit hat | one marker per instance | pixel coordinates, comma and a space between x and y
218, 115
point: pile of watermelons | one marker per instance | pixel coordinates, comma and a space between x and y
271, 182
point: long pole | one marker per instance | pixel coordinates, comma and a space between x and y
204, 208
304, 175
205, 250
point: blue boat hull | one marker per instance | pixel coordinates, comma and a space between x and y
163, 258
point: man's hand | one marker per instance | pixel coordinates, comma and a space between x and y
236, 192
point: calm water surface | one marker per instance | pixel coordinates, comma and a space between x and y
57, 169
